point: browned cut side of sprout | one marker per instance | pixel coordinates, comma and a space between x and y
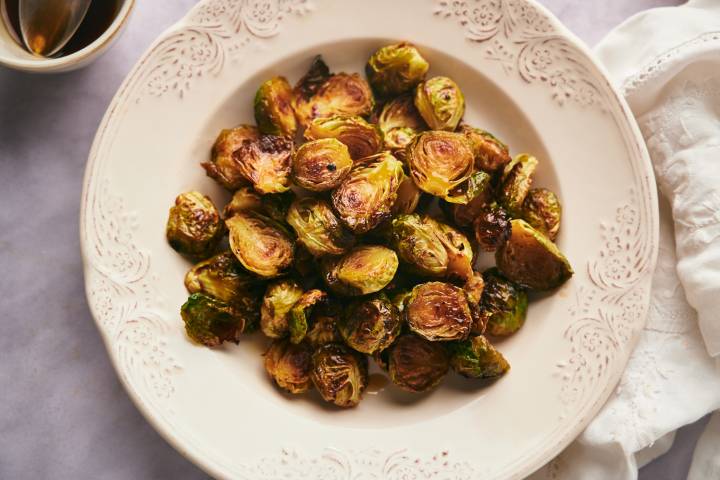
321, 165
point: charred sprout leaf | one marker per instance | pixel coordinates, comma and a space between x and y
408, 197
530, 259
542, 211
438, 311
317, 227
396, 69
289, 365
365, 269
221, 277
261, 244
400, 122
300, 313
361, 138
245, 198
492, 227
316, 76
324, 328
210, 321
367, 195
222, 166
516, 183
273, 108
340, 374
321, 165
279, 299
440, 162
194, 227
490, 153
371, 324
503, 306
416, 365
440, 103
265, 163
476, 358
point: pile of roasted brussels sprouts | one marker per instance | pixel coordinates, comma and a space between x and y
336, 248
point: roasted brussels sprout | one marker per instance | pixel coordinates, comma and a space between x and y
276, 205
245, 198
490, 153
280, 296
222, 166
440, 103
210, 321
317, 227
299, 320
261, 244
542, 210
516, 182
323, 329
477, 358
366, 196
273, 108
400, 122
408, 197
474, 287
316, 76
396, 69
361, 138
416, 365
365, 269
321, 165
492, 227
289, 365
340, 374
438, 312
530, 259
371, 324
265, 163
194, 227
477, 191
503, 305
440, 163
221, 277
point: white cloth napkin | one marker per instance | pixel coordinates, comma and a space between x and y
667, 62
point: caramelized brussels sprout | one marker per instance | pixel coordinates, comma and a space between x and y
490, 153
365, 269
367, 195
316, 76
194, 227
222, 166
265, 163
400, 122
280, 296
492, 227
440, 103
300, 314
408, 197
289, 365
474, 287
503, 306
210, 321
274, 113
542, 210
438, 312
323, 329
474, 194
277, 205
261, 244
361, 138
530, 259
396, 69
245, 198
317, 227
477, 358
221, 277
340, 374
371, 324
416, 365
321, 164
516, 182
440, 163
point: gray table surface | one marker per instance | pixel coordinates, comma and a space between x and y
63, 413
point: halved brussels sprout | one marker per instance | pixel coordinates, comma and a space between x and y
340, 374
261, 244
317, 227
438, 312
503, 305
490, 153
222, 166
289, 365
516, 182
530, 259
273, 108
371, 324
321, 164
367, 195
408, 197
416, 365
194, 227
477, 358
280, 296
265, 163
299, 320
361, 138
440, 103
221, 277
492, 227
365, 269
245, 198
477, 191
440, 163
400, 122
316, 76
210, 321
396, 69
542, 210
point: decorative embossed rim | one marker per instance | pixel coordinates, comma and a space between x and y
615, 327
